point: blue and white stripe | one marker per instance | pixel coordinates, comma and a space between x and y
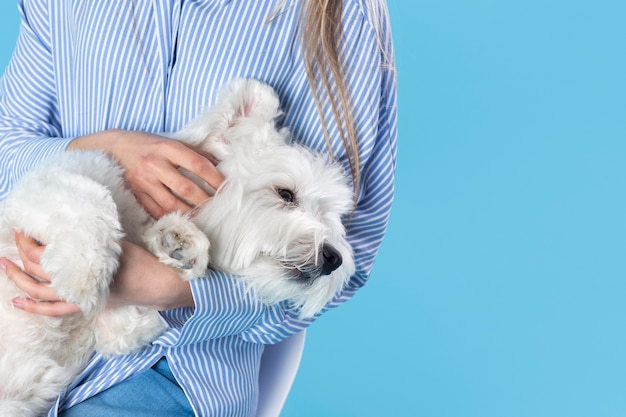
84, 66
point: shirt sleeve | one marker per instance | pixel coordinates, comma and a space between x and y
29, 124
224, 306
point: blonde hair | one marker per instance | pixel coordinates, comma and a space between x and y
321, 34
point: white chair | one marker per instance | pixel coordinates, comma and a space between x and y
279, 365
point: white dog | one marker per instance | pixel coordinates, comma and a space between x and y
276, 222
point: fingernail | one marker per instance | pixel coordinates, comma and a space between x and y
18, 303
3, 264
13, 233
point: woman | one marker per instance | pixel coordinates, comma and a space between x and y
112, 75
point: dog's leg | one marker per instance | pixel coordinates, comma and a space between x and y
77, 220
127, 329
177, 242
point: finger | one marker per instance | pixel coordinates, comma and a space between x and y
199, 163
186, 190
207, 155
30, 252
192, 192
34, 288
46, 308
166, 186
166, 201
150, 205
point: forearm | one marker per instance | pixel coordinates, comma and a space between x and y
106, 141
21, 151
142, 280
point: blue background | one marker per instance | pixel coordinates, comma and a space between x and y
499, 290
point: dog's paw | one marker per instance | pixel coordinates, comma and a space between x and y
177, 242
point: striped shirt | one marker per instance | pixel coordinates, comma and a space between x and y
85, 66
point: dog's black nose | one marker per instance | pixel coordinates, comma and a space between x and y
332, 259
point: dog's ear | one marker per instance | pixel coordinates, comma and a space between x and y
243, 103
248, 99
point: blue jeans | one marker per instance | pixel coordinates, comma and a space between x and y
153, 393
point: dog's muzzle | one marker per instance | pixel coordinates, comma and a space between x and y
308, 273
332, 259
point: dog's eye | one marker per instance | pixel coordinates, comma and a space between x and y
287, 195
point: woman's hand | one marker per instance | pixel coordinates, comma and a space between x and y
151, 162
43, 299
141, 280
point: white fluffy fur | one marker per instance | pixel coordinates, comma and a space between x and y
77, 205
